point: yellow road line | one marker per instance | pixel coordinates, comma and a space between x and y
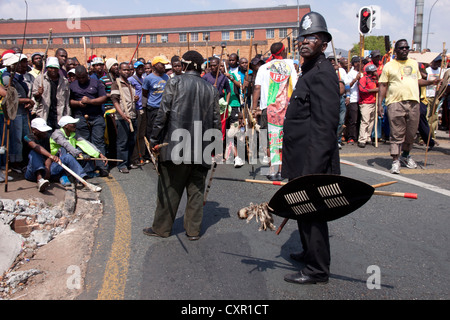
115, 277
424, 171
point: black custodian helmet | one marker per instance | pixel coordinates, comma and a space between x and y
313, 22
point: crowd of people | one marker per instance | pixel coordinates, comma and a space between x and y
86, 116
115, 104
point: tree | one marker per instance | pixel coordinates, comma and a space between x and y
370, 43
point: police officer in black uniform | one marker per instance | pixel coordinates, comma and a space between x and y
309, 142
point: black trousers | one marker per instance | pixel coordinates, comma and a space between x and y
316, 246
424, 127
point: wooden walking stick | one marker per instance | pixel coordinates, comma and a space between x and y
376, 121
223, 45
213, 170
91, 186
435, 100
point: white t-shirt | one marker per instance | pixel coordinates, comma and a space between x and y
354, 90
264, 76
432, 74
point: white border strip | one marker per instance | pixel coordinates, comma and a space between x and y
399, 177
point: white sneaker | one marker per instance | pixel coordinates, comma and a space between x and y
238, 162
395, 167
42, 184
408, 162
265, 160
2, 177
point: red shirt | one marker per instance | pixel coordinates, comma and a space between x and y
364, 84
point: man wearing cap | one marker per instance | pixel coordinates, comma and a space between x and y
67, 139
309, 142
98, 68
36, 60
17, 63
137, 80
51, 93
42, 165
153, 88
87, 96
368, 89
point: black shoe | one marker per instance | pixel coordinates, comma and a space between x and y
150, 232
298, 256
103, 173
192, 238
301, 278
124, 170
361, 145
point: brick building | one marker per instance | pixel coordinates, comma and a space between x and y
168, 34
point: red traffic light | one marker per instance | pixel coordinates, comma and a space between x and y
366, 14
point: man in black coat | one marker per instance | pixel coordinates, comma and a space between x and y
309, 143
189, 109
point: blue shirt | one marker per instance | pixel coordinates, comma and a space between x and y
137, 84
155, 86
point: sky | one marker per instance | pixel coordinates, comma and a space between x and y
396, 16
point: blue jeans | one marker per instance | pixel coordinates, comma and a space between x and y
19, 128
36, 162
125, 142
342, 110
93, 130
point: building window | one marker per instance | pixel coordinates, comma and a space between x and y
225, 35
114, 39
282, 33
66, 40
164, 38
29, 41
76, 40
183, 37
295, 33
250, 34
13, 41
153, 38
4, 41
206, 34
270, 33
39, 41
194, 36
144, 39
88, 40
238, 35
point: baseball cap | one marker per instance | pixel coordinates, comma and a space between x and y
71, 71
97, 60
66, 120
375, 53
52, 62
371, 68
40, 124
161, 59
137, 64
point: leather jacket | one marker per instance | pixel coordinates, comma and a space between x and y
189, 107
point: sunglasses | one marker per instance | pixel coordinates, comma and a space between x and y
403, 48
308, 39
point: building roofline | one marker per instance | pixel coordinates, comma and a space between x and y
167, 14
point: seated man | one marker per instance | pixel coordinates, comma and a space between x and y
42, 165
66, 138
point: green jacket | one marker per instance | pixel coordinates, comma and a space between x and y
72, 144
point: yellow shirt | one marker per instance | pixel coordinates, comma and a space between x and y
402, 77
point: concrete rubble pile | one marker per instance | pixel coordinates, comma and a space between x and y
25, 225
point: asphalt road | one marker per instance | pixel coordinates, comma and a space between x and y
390, 249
